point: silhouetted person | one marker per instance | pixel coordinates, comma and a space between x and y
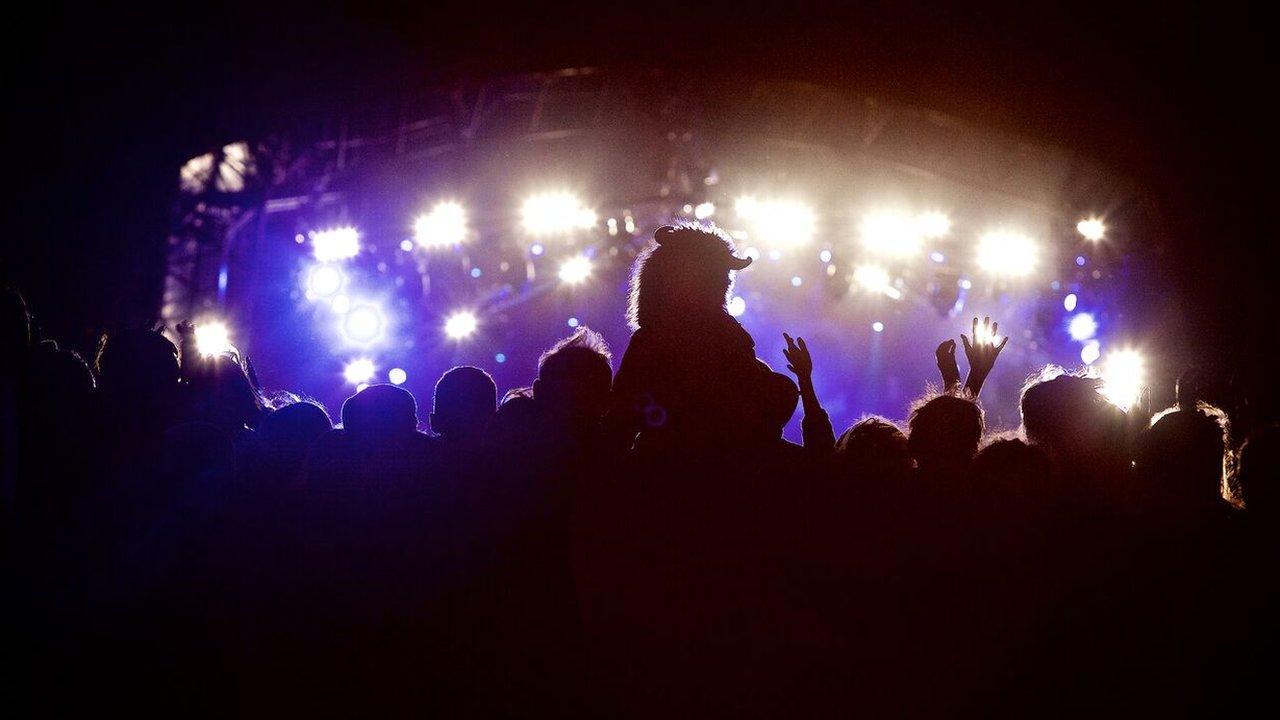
1083, 434
1259, 476
944, 435
818, 433
689, 369
465, 400
873, 450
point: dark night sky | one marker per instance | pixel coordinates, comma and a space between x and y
107, 105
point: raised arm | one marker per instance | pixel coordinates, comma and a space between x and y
982, 352
819, 436
946, 355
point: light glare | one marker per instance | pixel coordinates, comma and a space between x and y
324, 281
1124, 374
778, 224
363, 324
1092, 228
445, 225
460, 324
213, 338
1082, 327
359, 371
555, 212
335, 244
397, 376
1007, 253
575, 270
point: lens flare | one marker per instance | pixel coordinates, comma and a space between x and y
1124, 374
335, 244
397, 376
575, 270
1082, 327
1007, 254
213, 338
363, 324
359, 371
460, 325
555, 212
1092, 229
778, 224
444, 226
324, 281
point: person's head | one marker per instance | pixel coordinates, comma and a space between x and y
1184, 454
222, 394
1259, 475
464, 401
687, 271
778, 399
138, 362
1011, 469
944, 432
575, 377
873, 448
293, 428
380, 411
1067, 417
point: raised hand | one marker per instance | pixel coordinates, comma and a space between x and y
799, 361
946, 354
982, 352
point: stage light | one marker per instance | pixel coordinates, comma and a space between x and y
324, 281
445, 225
575, 270
340, 304
825, 256
335, 244
779, 224
1007, 253
1090, 352
982, 335
704, 210
555, 212
1069, 302
890, 233
500, 357
359, 371
1082, 327
933, 225
213, 338
1124, 374
1092, 228
572, 322
875, 279
937, 257
363, 324
796, 281
737, 306
460, 325
877, 326
397, 376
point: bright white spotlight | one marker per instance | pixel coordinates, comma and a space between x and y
363, 324
445, 225
1069, 302
213, 338
1007, 253
397, 376
1082, 327
575, 270
737, 306
460, 324
1124, 374
360, 371
875, 279
1090, 352
890, 233
779, 224
555, 212
335, 244
1092, 228
704, 210
933, 225
324, 281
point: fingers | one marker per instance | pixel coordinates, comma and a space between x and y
967, 345
974, 330
1003, 342
995, 329
803, 347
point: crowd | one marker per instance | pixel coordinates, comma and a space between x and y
179, 540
